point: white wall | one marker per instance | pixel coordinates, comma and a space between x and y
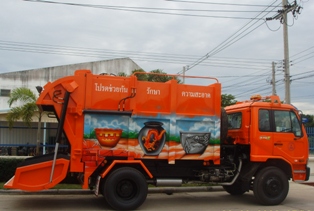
39, 77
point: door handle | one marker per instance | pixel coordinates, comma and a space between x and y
278, 144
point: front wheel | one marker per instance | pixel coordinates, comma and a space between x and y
270, 186
125, 189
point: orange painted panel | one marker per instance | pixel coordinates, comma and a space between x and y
107, 91
36, 177
152, 97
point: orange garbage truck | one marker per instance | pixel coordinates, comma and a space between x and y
125, 134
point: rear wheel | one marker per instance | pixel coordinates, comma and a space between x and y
271, 186
125, 189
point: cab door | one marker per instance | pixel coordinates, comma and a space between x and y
262, 134
288, 136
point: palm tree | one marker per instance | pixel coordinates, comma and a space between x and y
25, 111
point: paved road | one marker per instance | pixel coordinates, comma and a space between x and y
300, 198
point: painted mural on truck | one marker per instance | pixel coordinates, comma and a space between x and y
161, 137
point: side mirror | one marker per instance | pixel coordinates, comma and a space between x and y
304, 120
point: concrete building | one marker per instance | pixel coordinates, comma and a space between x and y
21, 138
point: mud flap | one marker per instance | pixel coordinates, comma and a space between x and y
34, 173
308, 170
97, 186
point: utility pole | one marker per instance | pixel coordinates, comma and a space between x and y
282, 15
286, 52
184, 70
273, 80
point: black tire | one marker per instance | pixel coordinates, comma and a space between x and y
270, 186
125, 189
223, 126
235, 189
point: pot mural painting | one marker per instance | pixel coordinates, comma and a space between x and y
108, 137
194, 143
152, 138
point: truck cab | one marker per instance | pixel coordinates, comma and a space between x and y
274, 134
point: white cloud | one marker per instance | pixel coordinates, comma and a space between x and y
305, 107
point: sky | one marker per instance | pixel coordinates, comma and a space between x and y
228, 40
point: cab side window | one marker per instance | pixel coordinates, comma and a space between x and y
234, 121
296, 127
264, 120
282, 121
287, 121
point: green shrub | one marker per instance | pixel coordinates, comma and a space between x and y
7, 167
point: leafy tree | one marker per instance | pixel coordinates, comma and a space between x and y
140, 77
310, 122
158, 78
25, 111
122, 74
227, 99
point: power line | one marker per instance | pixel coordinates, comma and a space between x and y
261, 89
142, 10
307, 76
297, 11
144, 56
303, 51
149, 8
305, 82
303, 59
229, 41
278, 83
302, 56
235, 84
304, 96
223, 4
252, 91
311, 71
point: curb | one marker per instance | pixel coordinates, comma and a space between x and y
167, 190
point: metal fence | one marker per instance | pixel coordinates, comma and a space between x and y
310, 134
22, 141
28, 148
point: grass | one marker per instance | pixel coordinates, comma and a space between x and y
1, 185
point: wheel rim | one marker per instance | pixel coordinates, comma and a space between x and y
273, 187
126, 189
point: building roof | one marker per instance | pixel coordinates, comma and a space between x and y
39, 77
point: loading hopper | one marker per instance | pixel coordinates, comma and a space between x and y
34, 173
